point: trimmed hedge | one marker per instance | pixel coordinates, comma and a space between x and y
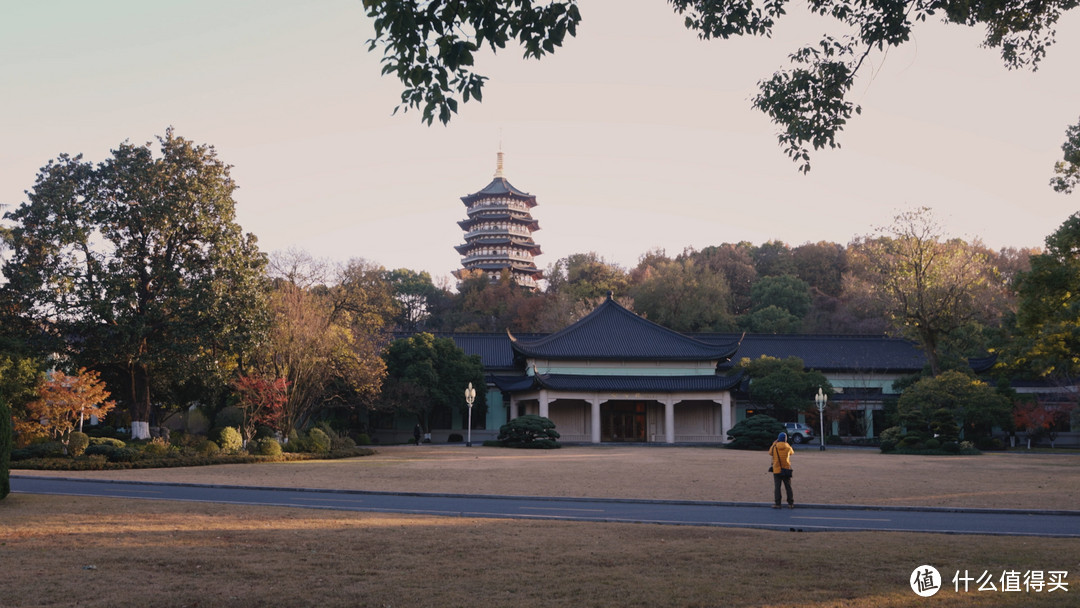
5, 449
90, 463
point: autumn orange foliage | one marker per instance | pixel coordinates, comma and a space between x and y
64, 402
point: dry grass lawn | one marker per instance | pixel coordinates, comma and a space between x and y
67, 551
993, 480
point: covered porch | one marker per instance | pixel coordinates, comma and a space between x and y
614, 417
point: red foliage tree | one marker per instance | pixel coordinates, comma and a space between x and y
262, 400
1033, 418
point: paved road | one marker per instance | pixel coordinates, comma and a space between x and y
804, 518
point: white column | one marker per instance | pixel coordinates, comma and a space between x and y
544, 404
727, 414
669, 420
510, 415
595, 403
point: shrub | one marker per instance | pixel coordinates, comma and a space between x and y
195, 421
909, 441
325, 427
6, 440
529, 431
207, 448
893, 434
833, 440
109, 441
988, 443
363, 439
262, 431
230, 441
44, 449
156, 448
77, 443
101, 449
268, 446
951, 447
318, 441
124, 455
455, 438
757, 432
341, 442
931, 444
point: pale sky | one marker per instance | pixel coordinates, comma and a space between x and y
635, 135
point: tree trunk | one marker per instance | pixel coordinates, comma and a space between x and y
140, 402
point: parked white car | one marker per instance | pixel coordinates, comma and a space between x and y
798, 432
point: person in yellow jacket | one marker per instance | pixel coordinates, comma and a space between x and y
781, 469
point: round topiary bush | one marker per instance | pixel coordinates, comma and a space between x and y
207, 448
77, 443
529, 431
318, 441
230, 440
757, 432
268, 446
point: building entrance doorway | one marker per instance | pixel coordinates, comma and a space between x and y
622, 421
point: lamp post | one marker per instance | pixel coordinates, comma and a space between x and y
821, 399
470, 396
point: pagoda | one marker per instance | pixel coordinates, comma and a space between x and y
498, 232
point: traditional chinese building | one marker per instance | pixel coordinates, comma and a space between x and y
498, 232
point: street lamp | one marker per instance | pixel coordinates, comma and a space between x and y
470, 396
821, 399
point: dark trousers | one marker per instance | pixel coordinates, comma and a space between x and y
777, 479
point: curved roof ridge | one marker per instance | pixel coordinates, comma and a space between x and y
613, 332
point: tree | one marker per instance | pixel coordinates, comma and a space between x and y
773, 259
586, 276
976, 405
822, 266
326, 334
262, 401
780, 303
64, 402
736, 263
413, 292
430, 47
1048, 315
683, 295
1068, 169
1034, 419
136, 267
783, 385
929, 288
427, 376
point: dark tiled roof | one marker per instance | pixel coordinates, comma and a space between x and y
499, 187
494, 349
628, 384
830, 353
612, 332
